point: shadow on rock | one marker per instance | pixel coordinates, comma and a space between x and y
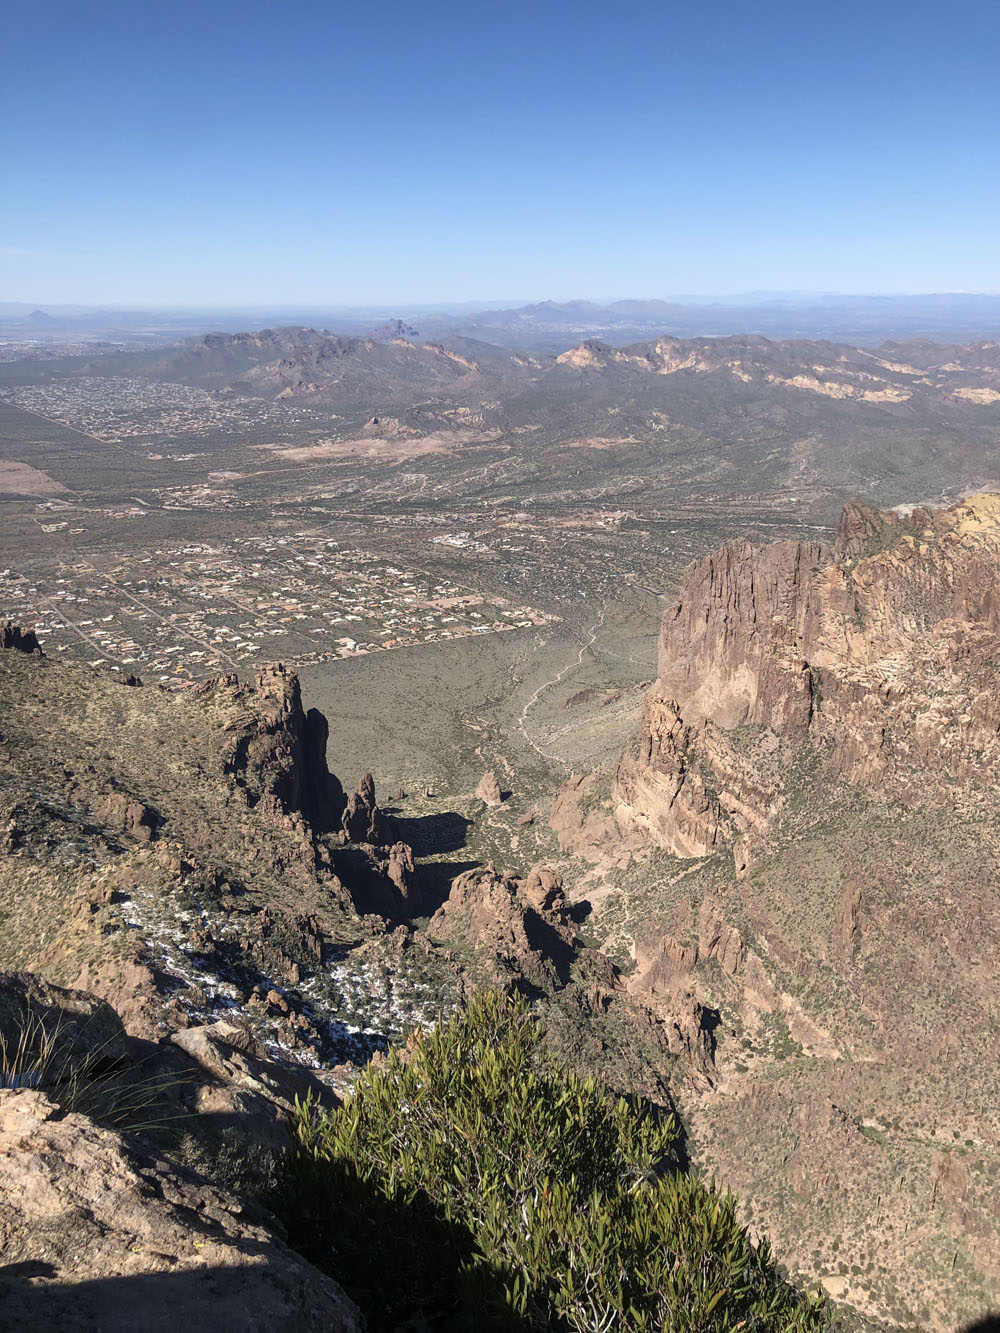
427, 834
227, 1300
90, 1218
433, 883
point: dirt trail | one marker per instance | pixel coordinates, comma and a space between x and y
570, 666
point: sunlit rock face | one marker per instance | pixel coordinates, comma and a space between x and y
883, 651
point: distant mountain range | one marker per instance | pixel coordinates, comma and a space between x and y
317, 365
905, 419
863, 319
551, 326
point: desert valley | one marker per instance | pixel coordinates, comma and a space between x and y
345, 678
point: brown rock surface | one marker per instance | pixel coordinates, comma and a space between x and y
362, 819
830, 717
522, 930
520, 920
129, 815
577, 818
98, 1234
130, 988
400, 867
236, 1081
277, 751
880, 650
248, 875
488, 790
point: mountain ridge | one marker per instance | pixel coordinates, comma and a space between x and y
810, 810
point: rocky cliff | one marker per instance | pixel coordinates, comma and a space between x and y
189, 856
179, 852
881, 652
814, 793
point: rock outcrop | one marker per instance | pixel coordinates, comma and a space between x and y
98, 1233
522, 931
215, 1077
20, 640
829, 716
233, 1082
488, 790
881, 652
276, 756
184, 854
665, 967
131, 816
400, 868
577, 816
277, 751
522, 924
362, 820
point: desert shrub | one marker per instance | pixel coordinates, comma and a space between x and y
472, 1180
224, 1156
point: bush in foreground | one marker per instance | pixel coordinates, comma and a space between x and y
476, 1183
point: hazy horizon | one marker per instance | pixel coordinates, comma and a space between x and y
485, 303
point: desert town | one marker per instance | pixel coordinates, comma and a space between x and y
181, 614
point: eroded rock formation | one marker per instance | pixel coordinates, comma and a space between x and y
523, 924
881, 652
523, 932
21, 640
362, 820
277, 751
488, 790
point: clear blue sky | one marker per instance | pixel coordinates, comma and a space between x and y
311, 151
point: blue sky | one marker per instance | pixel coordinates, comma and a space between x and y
303, 152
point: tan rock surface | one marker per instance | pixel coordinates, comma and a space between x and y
488, 790
97, 1234
881, 650
234, 1081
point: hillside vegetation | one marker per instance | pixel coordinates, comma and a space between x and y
473, 1181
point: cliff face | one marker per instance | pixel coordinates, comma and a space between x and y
830, 717
882, 652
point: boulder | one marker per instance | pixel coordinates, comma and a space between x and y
98, 1233
236, 1082
130, 815
50, 1034
488, 790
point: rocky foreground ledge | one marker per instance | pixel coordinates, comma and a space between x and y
97, 1233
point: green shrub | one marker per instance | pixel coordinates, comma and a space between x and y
473, 1181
